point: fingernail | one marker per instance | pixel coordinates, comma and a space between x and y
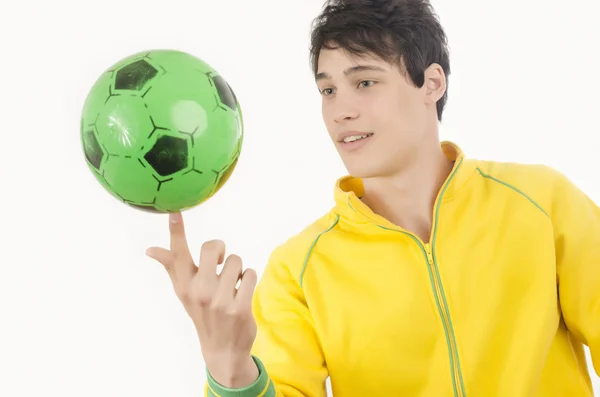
175, 217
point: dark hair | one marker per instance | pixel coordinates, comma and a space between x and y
406, 33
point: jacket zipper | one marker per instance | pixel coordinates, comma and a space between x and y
428, 250
442, 305
447, 322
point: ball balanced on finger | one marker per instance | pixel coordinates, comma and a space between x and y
161, 131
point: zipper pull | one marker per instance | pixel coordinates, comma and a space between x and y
429, 255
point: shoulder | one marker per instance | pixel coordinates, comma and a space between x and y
519, 173
294, 250
539, 183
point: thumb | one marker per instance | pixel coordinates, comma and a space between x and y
163, 256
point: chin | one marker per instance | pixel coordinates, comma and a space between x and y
363, 171
367, 162
371, 168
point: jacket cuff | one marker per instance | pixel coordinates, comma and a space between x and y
262, 386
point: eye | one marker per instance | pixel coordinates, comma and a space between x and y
366, 83
327, 91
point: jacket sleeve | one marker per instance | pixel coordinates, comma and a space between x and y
576, 222
286, 350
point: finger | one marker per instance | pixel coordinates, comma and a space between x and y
212, 254
183, 265
163, 256
178, 239
232, 271
245, 292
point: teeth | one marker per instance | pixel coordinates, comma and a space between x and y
355, 138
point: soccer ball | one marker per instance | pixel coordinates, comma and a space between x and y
161, 131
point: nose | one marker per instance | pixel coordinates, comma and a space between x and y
344, 110
345, 115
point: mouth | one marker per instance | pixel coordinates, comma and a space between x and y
356, 138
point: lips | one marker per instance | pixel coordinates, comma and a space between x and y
354, 138
351, 136
353, 141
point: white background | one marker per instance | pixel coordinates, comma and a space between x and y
82, 311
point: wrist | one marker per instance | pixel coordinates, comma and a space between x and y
233, 373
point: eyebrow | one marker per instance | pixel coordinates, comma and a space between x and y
349, 71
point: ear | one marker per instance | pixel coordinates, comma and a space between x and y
434, 83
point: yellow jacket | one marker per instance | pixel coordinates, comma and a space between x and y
498, 302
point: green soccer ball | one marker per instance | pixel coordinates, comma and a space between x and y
161, 131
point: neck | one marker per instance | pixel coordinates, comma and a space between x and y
407, 197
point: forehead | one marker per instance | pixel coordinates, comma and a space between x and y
341, 57
339, 62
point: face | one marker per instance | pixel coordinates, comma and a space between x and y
376, 118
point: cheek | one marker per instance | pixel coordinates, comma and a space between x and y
392, 117
327, 120
326, 111
380, 112
394, 109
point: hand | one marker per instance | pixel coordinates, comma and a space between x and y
221, 313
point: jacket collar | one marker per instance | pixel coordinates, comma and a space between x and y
348, 189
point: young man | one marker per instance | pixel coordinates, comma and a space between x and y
433, 275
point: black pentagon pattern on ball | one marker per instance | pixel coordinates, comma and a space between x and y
168, 155
226, 94
134, 75
92, 149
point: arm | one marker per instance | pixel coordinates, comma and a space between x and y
286, 349
576, 221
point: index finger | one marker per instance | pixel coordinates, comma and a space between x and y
179, 245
